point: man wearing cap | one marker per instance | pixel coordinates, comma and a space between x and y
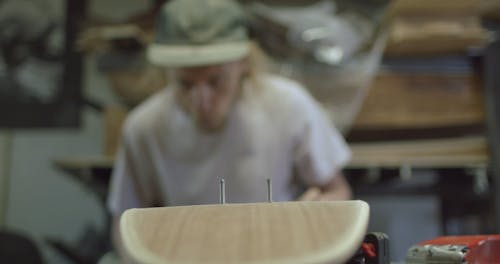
220, 118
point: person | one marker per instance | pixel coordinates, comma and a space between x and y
221, 117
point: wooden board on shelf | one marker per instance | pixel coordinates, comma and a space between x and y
438, 8
288, 232
438, 153
427, 35
421, 100
490, 9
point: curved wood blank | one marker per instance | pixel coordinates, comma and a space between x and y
280, 232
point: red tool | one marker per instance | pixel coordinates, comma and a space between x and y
480, 249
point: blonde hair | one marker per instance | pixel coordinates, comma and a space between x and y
258, 65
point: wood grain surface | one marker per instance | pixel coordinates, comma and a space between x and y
280, 232
421, 100
451, 152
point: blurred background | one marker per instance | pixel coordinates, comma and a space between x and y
412, 85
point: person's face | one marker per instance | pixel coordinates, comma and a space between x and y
207, 93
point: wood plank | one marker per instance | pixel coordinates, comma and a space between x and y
439, 8
424, 147
427, 35
456, 152
290, 232
490, 9
417, 100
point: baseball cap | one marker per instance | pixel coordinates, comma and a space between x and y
199, 32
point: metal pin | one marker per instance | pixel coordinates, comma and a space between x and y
269, 191
222, 192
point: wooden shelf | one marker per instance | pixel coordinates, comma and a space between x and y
460, 152
438, 153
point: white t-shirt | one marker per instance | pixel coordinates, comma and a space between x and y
276, 131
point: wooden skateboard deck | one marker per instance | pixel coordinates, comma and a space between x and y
278, 232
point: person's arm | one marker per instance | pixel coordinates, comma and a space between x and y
336, 189
131, 184
319, 151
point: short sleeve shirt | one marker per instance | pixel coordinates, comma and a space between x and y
275, 131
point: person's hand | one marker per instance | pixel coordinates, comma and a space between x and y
311, 194
336, 189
